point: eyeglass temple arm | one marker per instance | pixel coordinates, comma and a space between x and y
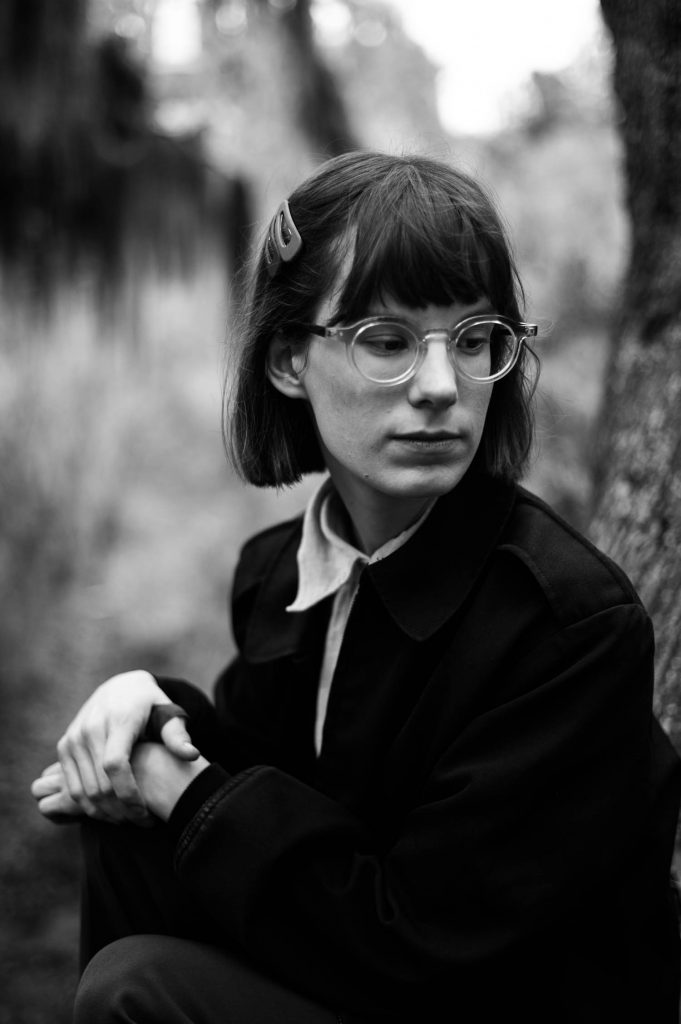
299, 325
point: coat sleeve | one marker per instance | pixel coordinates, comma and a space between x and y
524, 815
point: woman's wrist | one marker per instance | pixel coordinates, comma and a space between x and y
162, 778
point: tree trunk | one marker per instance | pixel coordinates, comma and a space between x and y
637, 510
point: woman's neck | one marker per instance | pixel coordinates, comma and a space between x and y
377, 519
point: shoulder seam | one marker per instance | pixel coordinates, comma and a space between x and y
617, 574
540, 576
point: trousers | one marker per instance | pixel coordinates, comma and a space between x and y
149, 956
159, 979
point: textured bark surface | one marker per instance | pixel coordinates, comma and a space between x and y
637, 510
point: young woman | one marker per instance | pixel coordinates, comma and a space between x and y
431, 786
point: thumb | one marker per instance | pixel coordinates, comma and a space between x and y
175, 737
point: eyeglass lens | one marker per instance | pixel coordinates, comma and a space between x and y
385, 352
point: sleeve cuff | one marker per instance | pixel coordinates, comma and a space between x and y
194, 797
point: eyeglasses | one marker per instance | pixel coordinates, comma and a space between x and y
388, 350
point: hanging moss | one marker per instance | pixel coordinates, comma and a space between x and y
85, 177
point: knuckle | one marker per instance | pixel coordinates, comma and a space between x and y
114, 764
80, 733
74, 738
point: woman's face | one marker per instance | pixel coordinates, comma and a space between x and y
398, 446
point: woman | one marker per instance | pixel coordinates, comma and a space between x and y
431, 786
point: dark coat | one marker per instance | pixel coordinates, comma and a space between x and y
488, 830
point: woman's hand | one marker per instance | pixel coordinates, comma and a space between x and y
54, 801
53, 797
94, 752
161, 777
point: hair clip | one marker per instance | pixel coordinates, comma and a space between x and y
283, 239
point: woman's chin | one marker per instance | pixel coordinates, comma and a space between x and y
423, 482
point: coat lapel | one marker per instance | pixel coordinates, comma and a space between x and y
426, 581
273, 632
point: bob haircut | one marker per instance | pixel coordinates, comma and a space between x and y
417, 231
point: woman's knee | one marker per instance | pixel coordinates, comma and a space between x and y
124, 983
160, 979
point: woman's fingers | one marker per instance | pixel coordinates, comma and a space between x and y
47, 785
97, 773
52, 796
116, 765
85, 781
54, 799
58, 806
77, 763
56, 803
178, 741
95, 751
68, 759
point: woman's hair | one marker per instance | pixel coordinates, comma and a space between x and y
412, 229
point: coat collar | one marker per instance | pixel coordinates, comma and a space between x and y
421, 585
425, 582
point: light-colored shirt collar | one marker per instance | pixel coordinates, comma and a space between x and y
326, 556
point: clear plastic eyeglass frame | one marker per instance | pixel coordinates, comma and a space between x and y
354, 335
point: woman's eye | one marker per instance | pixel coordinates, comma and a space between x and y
384, 343
472, 343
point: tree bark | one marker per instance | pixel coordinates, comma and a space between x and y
637, 499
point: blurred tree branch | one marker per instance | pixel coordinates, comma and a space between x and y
320, 108
637, 512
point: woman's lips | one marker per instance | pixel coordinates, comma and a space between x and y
429, 435
436, 440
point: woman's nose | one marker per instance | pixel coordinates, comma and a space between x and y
434, 383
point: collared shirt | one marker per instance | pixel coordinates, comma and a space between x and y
329, 563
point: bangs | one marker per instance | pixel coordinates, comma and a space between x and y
422, 245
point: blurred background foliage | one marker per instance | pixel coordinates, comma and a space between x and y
129, 193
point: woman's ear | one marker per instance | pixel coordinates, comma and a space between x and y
286, 361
